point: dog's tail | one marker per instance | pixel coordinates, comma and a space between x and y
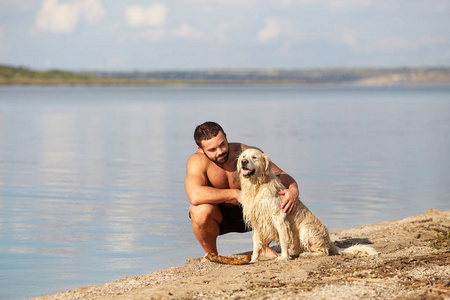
360, 250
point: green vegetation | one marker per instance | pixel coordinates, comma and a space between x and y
23, 76
11, 75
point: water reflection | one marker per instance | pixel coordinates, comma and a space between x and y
91, 179
84, 183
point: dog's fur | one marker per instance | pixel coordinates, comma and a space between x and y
296, 233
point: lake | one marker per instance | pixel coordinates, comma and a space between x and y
92, 178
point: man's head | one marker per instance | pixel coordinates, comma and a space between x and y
212, 140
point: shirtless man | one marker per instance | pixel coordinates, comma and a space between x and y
214, 191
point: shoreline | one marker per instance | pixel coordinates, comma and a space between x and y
180, 83
413, 263
10, 75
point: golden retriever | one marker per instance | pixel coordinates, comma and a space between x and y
296, 233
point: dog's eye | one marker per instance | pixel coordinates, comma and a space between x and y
255, 157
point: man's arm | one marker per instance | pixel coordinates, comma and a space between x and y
291, 192
197, 189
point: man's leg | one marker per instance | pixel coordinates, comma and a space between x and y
205, 221
268, 252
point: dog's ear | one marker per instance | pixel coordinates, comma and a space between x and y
238, 165
267, 163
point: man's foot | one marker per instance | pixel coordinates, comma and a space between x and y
269, 253
204, 259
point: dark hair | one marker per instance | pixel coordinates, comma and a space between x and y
206, 131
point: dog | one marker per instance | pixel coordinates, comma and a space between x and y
298, 232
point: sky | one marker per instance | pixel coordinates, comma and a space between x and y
138, 35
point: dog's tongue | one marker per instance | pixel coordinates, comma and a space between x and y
246, 172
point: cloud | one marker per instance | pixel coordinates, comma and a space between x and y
291, 2
346, 3
93, 10
349, 37
153, 15
391, 43
274, 29
186, 32
429, 39
148, 34
64, 17
442, 5
225, 2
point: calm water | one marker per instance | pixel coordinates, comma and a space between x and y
91, 178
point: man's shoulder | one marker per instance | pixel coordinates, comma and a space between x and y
197, 157
240, 147
197, 163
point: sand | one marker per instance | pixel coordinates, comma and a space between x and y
413, 263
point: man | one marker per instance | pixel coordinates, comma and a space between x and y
214, 191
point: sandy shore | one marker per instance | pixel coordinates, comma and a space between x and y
413, 263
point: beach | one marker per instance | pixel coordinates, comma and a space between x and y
413, 263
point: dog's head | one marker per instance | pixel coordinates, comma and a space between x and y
252, 163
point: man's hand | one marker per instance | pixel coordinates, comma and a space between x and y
237, 197
290, 201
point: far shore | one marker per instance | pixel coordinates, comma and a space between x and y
413, 263
19, 76
382, 81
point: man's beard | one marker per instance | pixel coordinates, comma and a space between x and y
223, 158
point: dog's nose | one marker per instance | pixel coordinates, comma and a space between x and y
244, 161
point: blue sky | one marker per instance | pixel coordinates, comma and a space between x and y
224, 34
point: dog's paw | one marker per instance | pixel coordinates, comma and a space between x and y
282, 258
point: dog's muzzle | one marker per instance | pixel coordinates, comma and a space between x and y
246, 172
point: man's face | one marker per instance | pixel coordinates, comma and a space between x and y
216, 148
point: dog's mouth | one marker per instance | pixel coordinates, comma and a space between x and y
247, 173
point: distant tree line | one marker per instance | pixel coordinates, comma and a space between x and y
21, 72
314, 76
22, 75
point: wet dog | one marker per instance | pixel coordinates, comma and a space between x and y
297, 232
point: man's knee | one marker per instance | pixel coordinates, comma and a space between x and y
205, 214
